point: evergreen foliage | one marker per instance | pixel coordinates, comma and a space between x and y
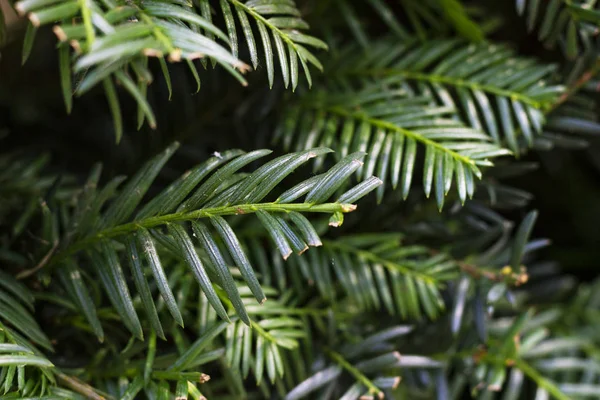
299, 256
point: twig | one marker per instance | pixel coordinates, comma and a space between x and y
41, 264
477, 273
506, 274
79, 386
357, 374
540, 380
583, 79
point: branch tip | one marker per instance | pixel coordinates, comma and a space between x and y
60, 33
34, 19
19, 9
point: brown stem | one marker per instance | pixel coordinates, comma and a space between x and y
41, 264
506, 274
80, 387
579, 83
477, 273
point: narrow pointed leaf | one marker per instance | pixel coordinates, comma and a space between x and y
335, 178
145, 241
239, 256
117, 278
72, 277
136, 188
215, 256
206, 190
186, 247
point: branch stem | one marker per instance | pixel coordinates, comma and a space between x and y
540, 380
341, 361
86, 16
239, 209
572, 90
79, 386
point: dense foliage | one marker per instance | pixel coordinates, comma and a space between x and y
310, 199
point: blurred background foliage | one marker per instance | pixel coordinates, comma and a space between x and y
558, 176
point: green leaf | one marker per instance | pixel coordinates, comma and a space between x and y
308, 232
132, 194
276, 233
165, 70
171, 197
28, 40
165, 10
217, 260
115, 108
18, 289
283, 60
133, 388
230, 24
147, 244
292, 237
110, 53
19, 360
71, 277
13, 348
194, 351
266, 40
65, 76
206, 190
239, 257
106, 262
181, 391
315, 382
261, 182
139, 97
150, 357
335, 177
360, 190
186, 248
54, 13
243, 18
142, 287
521, 238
